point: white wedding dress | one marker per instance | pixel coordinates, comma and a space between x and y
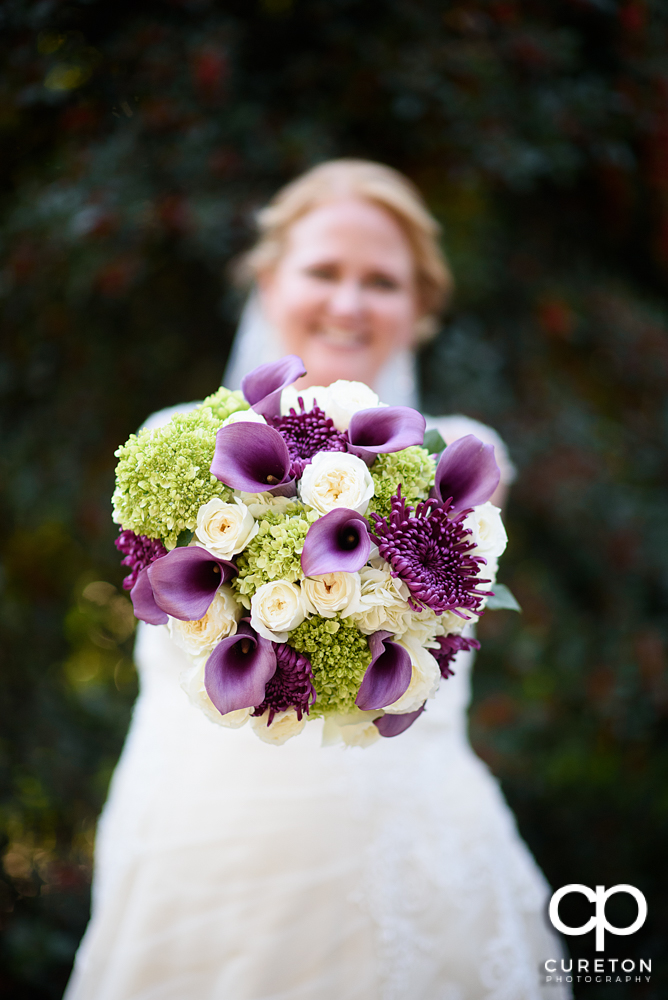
230, 869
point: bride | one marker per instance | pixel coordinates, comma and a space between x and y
230, 869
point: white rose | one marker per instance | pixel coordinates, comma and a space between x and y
346, 398
450, 623
354, 730
314, 394
425, 679
236, 719
276, 608
489, 534
192, 682
244, 417
488, 573
225, 528
199, 637
331, 592
383, 602
283, 727
424, 626
258, 503
336, 479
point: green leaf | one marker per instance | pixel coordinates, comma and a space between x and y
503, 598
433, 442
185, 538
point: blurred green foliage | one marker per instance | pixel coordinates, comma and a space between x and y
135, 143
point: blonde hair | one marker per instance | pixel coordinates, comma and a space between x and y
378, 184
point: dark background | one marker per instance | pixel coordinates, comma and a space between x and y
136, 139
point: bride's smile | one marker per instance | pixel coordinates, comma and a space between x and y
343, 294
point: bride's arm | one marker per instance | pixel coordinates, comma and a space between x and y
161, 417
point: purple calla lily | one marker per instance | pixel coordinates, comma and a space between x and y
388, 675
384, 429
467, 473
393, 725
143, 601
238, 670
337, 542
185, 581
251, 457
263, 386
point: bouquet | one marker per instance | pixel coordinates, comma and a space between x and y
310, 552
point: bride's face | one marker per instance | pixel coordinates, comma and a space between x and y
343, 294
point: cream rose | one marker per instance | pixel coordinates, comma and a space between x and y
283, 727
425, 679
346, 398
192, 682
244, 417
354, 730
259, 503
450, 623
225, 528
336, 479
314, 394
276, 608
489, 534
199, 637
332, 592
383, 602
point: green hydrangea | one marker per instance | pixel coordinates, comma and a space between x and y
163, 477
224, 402
339, 654
413, 468
274, 553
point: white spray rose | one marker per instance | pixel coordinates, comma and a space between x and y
283, 727
488, 572
199, 637
225, 528
332, 592
450, 623
425, 679
259, 503
314, 394
336, 479
346, 398
276, 608
383, 602
425, 626
362, 734
192, 682
353, 730
236, 719
489, 534
243, 417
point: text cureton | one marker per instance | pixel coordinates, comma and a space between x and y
598, 965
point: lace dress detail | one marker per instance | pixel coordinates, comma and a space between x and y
458, 901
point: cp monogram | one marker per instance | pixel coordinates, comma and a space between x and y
599, 897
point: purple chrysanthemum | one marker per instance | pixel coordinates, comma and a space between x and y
449, 646
430, 551
139, 552
291, 686
306, 433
